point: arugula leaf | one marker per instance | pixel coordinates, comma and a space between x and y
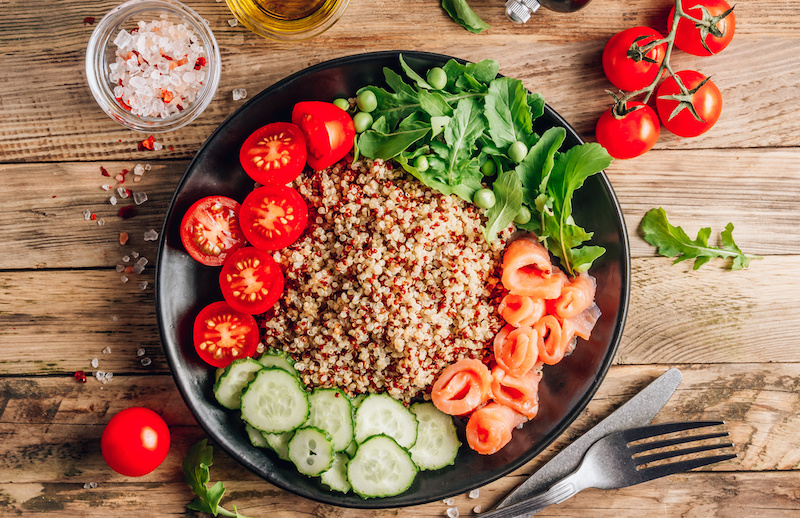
434, 104
674, 242
196, 472
460, 134
482, 72
422, 83
507, 190
469, 184
460, 11
378, 143
536, 104
535, 168
507, 111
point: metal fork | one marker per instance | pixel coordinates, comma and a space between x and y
610, 464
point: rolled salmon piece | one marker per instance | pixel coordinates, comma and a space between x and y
462, 387
516, 349
527, 270
552, 343
489, 428
519, 310
519, 393
576, 296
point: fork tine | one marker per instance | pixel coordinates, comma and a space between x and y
680, 467
638, 448
634, 434
644, 459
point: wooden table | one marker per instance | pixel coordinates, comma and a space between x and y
734, 335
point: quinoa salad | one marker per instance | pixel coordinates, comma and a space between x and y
390, 283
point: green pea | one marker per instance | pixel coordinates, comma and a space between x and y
488, 168
421, 163
517, 151
367, 101
362, 121
484, 198
437, 78
523, 216
342, 103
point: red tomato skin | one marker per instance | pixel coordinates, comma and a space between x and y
242, 265
202, 211
253, 216
687, 37
632, 135
275, 153
328, 129
230, 322
625, 73
707, 102
135, 441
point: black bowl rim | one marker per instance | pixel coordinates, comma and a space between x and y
400, 500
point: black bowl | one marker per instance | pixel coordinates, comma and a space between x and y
184, 286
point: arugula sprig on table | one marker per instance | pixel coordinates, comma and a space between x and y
196, 466
674, 242
474, 119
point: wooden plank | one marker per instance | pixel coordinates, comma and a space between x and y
42, 224
51, 429
557, 54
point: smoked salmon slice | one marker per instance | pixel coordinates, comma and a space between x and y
519, 310
489, 428
462, 387
552, 341
576, 295
582, 324
519, 393
527, 270
516, 349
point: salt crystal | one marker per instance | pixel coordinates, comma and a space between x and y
105, 187
95, 363
100, 375
233, 22
448, 501
123, 278
475, 493
140, 352
239, 94
477, 509
137, 179
101, 222
126, 258
123, 192
143, 285
147, 167
151, 235
138, 268
112, 200
157, 146
87, 215
139, 197
90, 485
452, 512
123, 39
119, 268
107, 350
142, 261
138, 170
146, 361
135, 254
109, 375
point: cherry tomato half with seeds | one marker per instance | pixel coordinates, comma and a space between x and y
689, 38
210, 230
328, 130
677, 116
631, 134
626, 73
135, 441
221, 334
273, 217
251, 281
275, 153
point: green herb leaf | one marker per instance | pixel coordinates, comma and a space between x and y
482, 73
433, 104
535, 168
460, 11
422, 83
508, 193
377, 143
460, 134
674, 242
507, 111
196, 472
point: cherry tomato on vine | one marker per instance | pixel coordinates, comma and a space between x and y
676, 112
689, 38
275, 153
623, 71
221, 334
210, 230
251, 281
631, 134
135, 441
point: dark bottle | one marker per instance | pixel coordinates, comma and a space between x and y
520, 11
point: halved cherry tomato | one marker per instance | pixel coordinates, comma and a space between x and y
676, 114
135, 441
630, 135
273, 217
210, 230
689, 38
624, 72
221, 334
275, 153
329, 131
251, 281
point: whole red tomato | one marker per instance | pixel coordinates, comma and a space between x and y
623, 71
328, 130
675, 109
689, 38
135, 441
631, 134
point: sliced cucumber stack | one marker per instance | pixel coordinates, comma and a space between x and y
332, 412
380, 468
234, 379
382, 414
275, 402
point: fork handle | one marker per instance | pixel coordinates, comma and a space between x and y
559, 492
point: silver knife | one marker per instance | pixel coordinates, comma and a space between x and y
638, 411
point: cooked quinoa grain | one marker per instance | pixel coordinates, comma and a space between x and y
390, 283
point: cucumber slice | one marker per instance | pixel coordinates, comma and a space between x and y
437, 443
274, 402
237, 375
358, 400
279, 443
382, 414
336, 477
351, 449
380, 468
332, 412
311, 451
256, 439
279, 359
